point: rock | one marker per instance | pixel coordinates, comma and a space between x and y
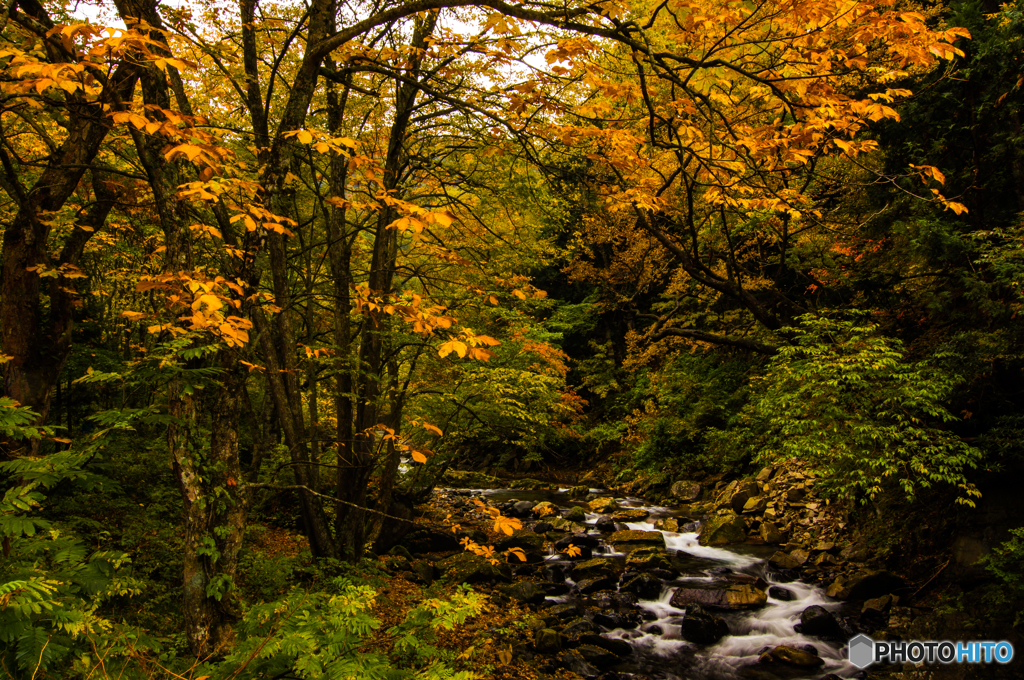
791, 656
596, 583
780, 593
543, 527
858, 552
745, 490
599, 566
800, 556
783, 561
795, 494
561, 612
572, 660
667, 524
578, 627
470, 480
865, 584
646, 559
629, 540
816, 621
576, 514
617, 647
424, 571
723, 529
605, 525
754, 505
770, 533
525, 592
686, 491
467, 567
732, 597
578, 492
630, 515
547, 641
880, 604
522, 508
702, 627
597, 656
530, 484
579, 540
611, 620
430, 540
824, 559
764, 475
544, 509
604, 505
644, 586
401, 551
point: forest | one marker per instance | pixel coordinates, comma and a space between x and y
341, 338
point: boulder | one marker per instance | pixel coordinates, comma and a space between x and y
530, 484
543, 527
734, 596
702, 627
644, 586
544, 509
574, 662
599, 566
525, 592
424, 571
745, 490
783, 561
431, 540
576, 514
561, 612
579, 540
578, 492
667, 524
791, 656
630, 515
522, 508
686, 491
468, 567
603, 505
596, 583
780, 593
723, 529
547, 641
629, 540
646, 559
770, 533
865, 585
531, 543
816, 621
754, 505
617, 647
598, 656
605, 525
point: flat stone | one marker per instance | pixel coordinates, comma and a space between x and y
735, 596
723, 529
755, 505
790, 656
604, 505
770, 533
783, 561
630, 515
630, 540
667, 524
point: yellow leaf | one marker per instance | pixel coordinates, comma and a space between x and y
432, 428
304, 136
519, 294
418, 456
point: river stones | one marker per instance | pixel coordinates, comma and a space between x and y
530, 485
686, 491
596, 583
744, 490
702, 627
791, 656
599, 566
547, 640
642, 585
543, 527
605, 525
782, 594
723, 529
578, 492
468, 567
816, 621
865, 584
575, 514
525, 592
598, 656
522, 508
603, 505
735, 596
646, 559
617, 647
667, 524
529, 542
630, 540
630, 515
573, 661
544, 509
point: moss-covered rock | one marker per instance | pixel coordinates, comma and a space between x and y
723, 529
646, 559
575, 514
531, 485
598, 566
629, 540
468, 567
630, 515
603, 505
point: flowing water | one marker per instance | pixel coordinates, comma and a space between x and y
661, 653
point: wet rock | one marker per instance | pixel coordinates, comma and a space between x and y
783, 561
578, 627
736, 596
745, 490
617, 647
544, 509
723, 529
592, 585
543, 527
578, 540
467, 567
556, 589
770, 533
522, 508
780, 593
686, 491
572, 660
430, 540
790, 656
576, 514
547, 641
578, 492
664, 574
555, 573
527, 541
816, 621
561, 612
667, 524
646, 559
605, 525
630, 515
612, 620
644, 586
604, 505
865, 585
754, 505
702, 627
597, 656
629, 540
525, 592
598, 566
471, 480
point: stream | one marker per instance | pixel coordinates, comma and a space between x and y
659, 650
